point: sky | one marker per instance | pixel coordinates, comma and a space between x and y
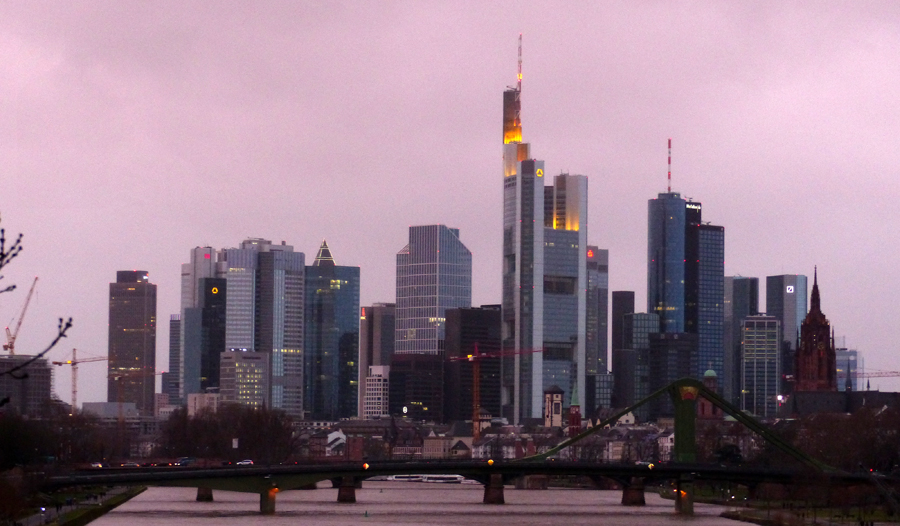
132, 132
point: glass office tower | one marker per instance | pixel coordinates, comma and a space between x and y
331, 350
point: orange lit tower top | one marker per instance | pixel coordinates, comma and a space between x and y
512, 107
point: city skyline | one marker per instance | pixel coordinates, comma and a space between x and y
129, 143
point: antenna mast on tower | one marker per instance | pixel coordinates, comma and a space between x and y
670, 165
519, 78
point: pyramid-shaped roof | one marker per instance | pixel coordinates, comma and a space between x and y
324, 257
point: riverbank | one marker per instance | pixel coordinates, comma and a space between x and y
82, 512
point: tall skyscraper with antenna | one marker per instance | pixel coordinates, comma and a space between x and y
686, 273
544, 273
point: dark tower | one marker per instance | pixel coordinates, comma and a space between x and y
815, 365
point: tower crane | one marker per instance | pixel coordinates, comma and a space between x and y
475, 358
74, 363
10, 344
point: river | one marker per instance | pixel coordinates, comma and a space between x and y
387, 503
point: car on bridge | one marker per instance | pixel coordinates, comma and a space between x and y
245, 463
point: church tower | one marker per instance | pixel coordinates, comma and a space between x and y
815, 364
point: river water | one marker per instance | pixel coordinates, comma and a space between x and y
387, 503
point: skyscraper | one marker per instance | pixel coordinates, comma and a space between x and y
204, 337
741, 301
376, 346
332, 338
171, 378
786, 300
544, 274
466, 330
597, 377
132, 340
685, 276
761, 367
434, 273
263, 311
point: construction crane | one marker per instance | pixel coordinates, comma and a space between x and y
475, 358
877, 374
11, 336
74, 363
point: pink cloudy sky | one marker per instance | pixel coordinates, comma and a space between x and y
131, 132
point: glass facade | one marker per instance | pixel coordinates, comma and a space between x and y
786, 299
741, 300
434, 273
132, 340
711, 300
846, 360
761, 369
332, 339
666, 261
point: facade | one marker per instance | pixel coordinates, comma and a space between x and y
741, 300
31, 389
672, 356
685, 276
244, 378
468, 329
631, 364
666, 258
711, 300
761, 348
171, 378
622, 304
598, 380
434, 273
331, 352
416, 386
815, 365
132, 340
204, 337
376, 344
847, 361
263, 312
786, 300
377, 392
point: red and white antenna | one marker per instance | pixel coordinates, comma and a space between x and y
519, 78
670, 165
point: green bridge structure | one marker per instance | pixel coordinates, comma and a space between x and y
683, 471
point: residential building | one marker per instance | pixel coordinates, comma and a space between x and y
132, 340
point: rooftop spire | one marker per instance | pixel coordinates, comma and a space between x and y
814, 303
324, 258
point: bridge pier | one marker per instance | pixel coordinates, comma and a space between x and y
347, 490
493, 490
633, 492
684, 495
267, 502
204, 495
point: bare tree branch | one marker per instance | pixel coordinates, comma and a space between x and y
64, 326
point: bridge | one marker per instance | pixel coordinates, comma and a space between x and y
267, 481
